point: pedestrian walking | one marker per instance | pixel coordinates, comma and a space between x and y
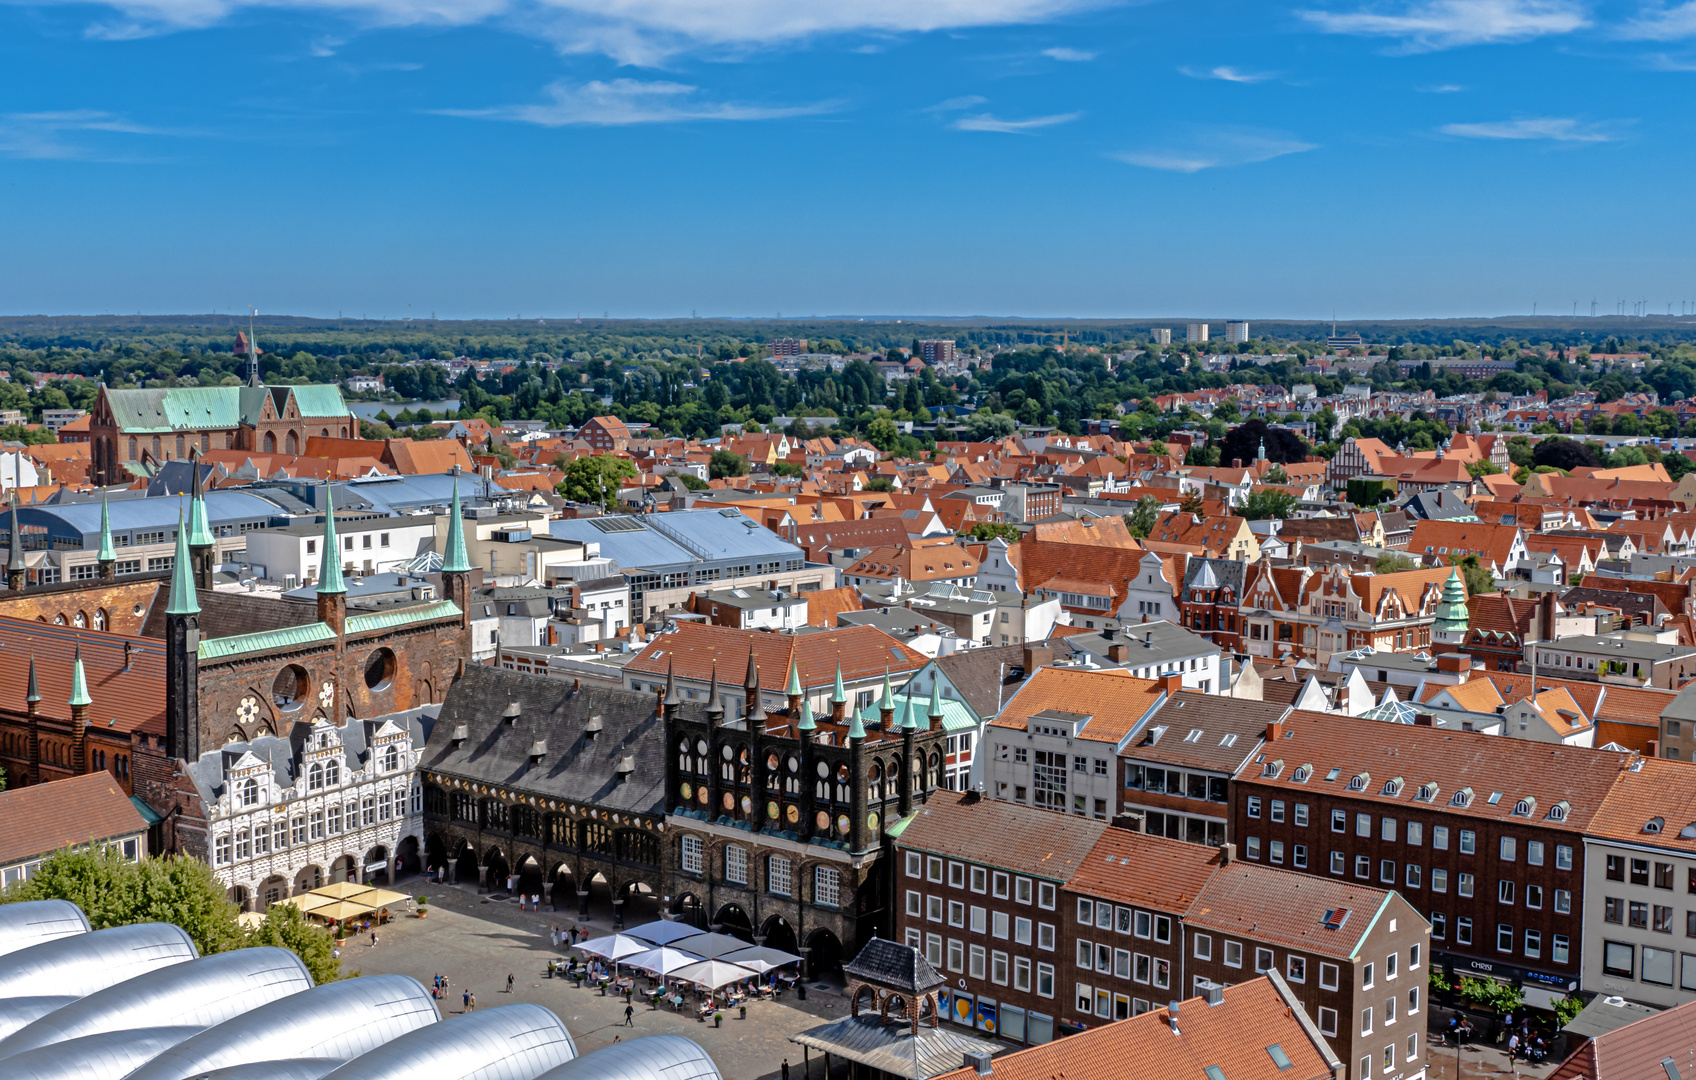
535, 901
553, 935
465, 1000
785, 1069
629, 1015
509, 982
373, 939
473, 1002
574, 935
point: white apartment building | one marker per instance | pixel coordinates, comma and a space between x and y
288, 815
291, 555
1195, 331
1236, 331
1161, 335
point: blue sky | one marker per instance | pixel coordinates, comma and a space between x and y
1208, 158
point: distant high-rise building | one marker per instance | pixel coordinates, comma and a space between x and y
1343, 341
937, 352
1195, 331
1236, 331
1161, 336
788, 347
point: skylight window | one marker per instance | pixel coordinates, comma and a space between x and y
1495, 797
1193, 736
1333, 774
1279, 1058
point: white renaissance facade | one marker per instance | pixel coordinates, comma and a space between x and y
287, 815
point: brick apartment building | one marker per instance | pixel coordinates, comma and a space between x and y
1482, 835
1064, 923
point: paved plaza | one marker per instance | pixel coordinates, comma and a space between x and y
476, 942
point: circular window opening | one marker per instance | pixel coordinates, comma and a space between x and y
380, 670
291, 688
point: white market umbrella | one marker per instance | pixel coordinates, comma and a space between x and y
710, 946
713, 974
614, 947
762, 959
662, 932
661, 961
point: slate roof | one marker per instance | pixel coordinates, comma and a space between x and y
575, 766
895, 966
1635, 1051
43, 818
1218, 719
1227, 572
280, 752
981, 680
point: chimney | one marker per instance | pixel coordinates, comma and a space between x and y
1118, 652
1274, 730
979, 1061
1037, 656
1172, 683
1424, 719
1236, 463
1454, 663
1227, 854
1172, 1016
1653, 749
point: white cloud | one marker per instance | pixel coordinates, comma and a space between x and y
52, 135
1216, 149
1227, 74
955, 104
630, 31
1070, 56
621, 102
1441, 88
1663, 23
1553, 128
986, 122
1443, 24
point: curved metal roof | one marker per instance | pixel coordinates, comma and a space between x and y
292, 1069
512, 1042
85, 963
109, 1055
30, 922
198, 993
656, 1057
20, 1012
337, 1021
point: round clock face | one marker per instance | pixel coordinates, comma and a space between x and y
326, 693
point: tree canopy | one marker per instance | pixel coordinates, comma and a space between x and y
596, 479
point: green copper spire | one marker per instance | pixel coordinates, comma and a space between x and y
79, 684
33, 694
794, 687
838, 695
1453, 617
199, 531
935, 696
454, 560
908, 722
330, 575
107, 552
856, 730
886, 703
183, 598
806, 723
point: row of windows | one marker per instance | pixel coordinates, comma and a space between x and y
1640, 873
1412, 875
1620, 959
979, 920
1560, 945
954, 955
1637, 914
1000, 885
1192, 786
780, 872
333, 820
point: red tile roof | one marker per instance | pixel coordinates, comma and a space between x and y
864, 652
1039, 842
43, 818
1234, 901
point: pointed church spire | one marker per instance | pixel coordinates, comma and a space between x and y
330, 573
837, 694
806, 723
79, 684
33, 694
183, 598
199, 530
794, 687
856, 730
454, 560
752, 682
714, 707
886, 703
108, 552
671, 698
935, 698
908, 722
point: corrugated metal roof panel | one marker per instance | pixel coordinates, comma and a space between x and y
215, 648
382, 620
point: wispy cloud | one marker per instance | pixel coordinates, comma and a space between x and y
1069, 55
642, 32
1441, 88
54, 135
955, 104
621, 102
986, 122
1228, 74
1214, 149
1659, 23
1668, 62
1552, 128
1442, 24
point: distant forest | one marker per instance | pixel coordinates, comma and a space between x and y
691, 377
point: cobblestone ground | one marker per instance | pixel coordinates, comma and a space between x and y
1478, 1061
476, 942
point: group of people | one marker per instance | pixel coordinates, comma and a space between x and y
1521, 1040
558, 937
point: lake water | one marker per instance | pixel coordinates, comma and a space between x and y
367, 410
